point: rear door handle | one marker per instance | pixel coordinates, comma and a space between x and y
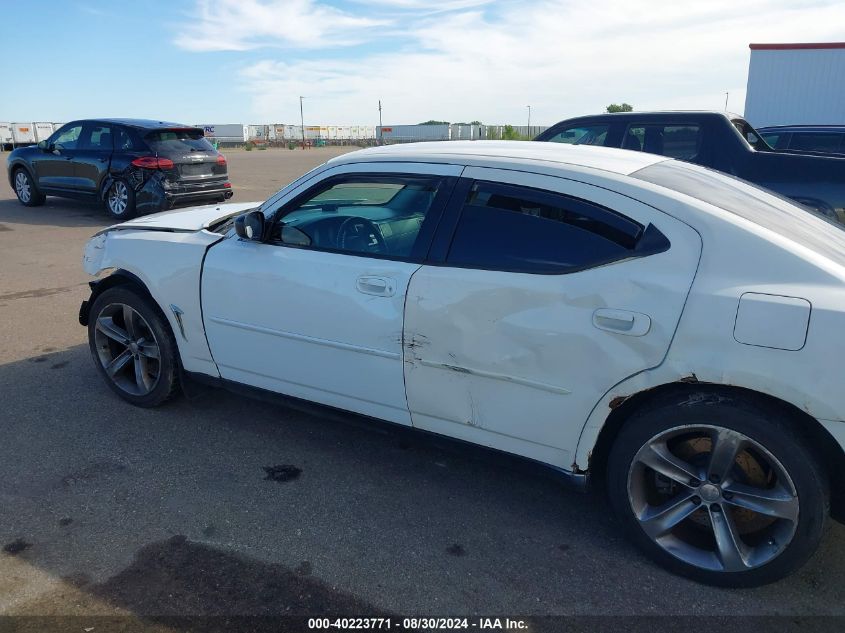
378, 286
622, 321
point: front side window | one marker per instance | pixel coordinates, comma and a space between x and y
521, 229
68, 137
582, 135
380, 216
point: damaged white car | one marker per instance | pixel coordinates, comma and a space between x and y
617, 316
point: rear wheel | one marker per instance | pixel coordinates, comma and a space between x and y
25, 189
133, 347
719, 489
120, 200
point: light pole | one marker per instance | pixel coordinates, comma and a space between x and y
528, 132
302, 121
726, 101
380, 131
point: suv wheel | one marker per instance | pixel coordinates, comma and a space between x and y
719, 489
25, 189
120, 200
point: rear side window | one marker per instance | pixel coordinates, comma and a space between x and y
98, 138
815, 142
521, 229
676, 141
178, 141
581, 135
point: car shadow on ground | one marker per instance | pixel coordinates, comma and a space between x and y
55, 212
173, 511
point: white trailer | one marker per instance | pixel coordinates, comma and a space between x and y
42, 131
225, 132
23, 133
6, 138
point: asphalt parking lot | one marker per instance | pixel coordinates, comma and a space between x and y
110, 509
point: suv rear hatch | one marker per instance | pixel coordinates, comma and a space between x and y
194, 159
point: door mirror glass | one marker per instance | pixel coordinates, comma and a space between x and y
44, 146
250, 226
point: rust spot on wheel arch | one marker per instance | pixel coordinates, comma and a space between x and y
618, 400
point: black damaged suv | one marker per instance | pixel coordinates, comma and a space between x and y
132, 166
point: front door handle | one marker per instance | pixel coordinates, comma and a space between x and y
622, 321
378, 286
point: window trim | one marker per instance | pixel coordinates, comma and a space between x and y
428, 228
651, 241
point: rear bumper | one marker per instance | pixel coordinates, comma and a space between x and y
179, 191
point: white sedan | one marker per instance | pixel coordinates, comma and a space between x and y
669, 330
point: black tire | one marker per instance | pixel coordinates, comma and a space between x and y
794, 475
25, 189
119, 200
159, 379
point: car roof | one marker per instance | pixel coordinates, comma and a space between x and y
144, 124
802, 128
655, 114
618, 161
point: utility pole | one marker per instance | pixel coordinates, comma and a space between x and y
380, 130
302, 121
528, 132
726, 101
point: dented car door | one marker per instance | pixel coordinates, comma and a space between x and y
551, 292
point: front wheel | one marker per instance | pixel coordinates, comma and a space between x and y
120, 200
719, 489
25, 190
133, 347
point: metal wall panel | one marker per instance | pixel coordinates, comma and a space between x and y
789, 87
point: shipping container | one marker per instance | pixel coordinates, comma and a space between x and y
293, 132
257, 133
413, 133
23, 133
225, 132
42, 131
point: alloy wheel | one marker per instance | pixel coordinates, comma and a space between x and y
713, 498
118, 198
127, 349
22, 187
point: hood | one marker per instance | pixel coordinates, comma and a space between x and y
186, 220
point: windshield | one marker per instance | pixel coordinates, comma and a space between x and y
178, 141
761, 206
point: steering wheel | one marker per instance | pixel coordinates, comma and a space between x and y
361, 235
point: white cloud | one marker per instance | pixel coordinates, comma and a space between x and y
239, 25
564, 57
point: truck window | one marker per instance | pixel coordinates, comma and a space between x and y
815, 141
750, 136
581, 135
675, 141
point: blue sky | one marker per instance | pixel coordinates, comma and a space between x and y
247, 61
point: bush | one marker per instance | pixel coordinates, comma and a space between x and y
249, 145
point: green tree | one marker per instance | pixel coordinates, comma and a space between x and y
433, 122
615, 107
510, 134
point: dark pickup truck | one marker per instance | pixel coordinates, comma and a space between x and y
722, 141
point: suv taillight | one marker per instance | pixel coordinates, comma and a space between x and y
153, 162
221, 160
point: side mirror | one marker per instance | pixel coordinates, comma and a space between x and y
250, 226
44, 146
